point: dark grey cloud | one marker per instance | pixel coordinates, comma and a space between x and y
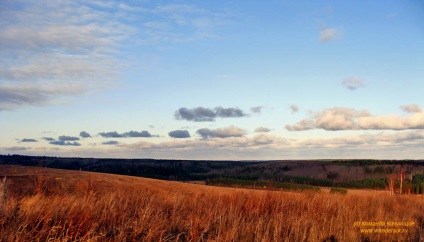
113, 134
68, 138
85, 134
48, 139
64, 143
28, 140
179, 134
17, 148
110, 142
131, 134
201, 114
143, 133
229, 112
230, 131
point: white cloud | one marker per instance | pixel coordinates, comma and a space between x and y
394, 122
211, 143
262, 130
51, 46
69, 42
339, 118
327, 34
411, 108
379, 139
230, 131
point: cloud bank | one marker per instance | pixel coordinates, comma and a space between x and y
339, 118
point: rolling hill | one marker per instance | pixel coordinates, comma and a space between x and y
49, 204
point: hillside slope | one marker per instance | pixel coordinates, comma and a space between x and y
47, 204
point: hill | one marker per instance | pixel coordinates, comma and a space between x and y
371, 174
40, 204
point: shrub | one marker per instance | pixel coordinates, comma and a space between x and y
338, 190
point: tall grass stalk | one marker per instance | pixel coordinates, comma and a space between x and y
166, 212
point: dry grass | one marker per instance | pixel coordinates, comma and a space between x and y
81, 206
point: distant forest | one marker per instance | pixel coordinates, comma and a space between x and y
355, 173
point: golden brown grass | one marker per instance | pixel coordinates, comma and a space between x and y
82, 206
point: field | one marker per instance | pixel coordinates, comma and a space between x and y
43, 204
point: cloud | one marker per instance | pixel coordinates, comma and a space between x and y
393, 122
110, 142
64, 143
262, 130
28, 140
49, 51
411, 108
58, 43
12, 97
230, 131
68, 138
212, 143
16, 148
201, 114
353, 83
144, 134
181, 23
179, 134
365, 140
84, 134
48, 139
257, 109
294, 108
327, 34
339, 118
113, 134
131, 134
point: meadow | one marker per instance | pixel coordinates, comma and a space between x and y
42, 204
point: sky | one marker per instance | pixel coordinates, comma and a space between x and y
222, 80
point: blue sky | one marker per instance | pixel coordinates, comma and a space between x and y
212, 79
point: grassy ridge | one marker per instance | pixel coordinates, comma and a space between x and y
82, 206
